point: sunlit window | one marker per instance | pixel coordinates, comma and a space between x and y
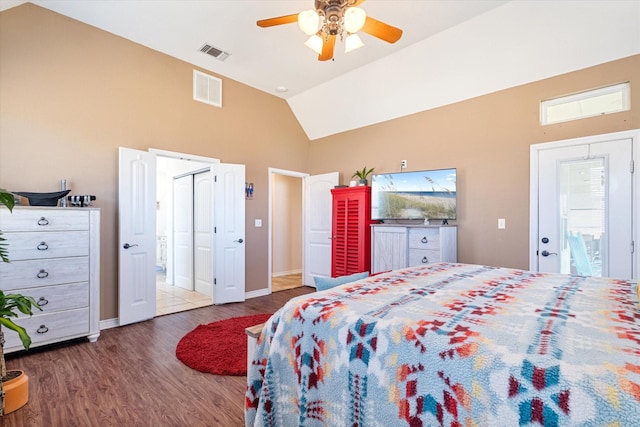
596, 102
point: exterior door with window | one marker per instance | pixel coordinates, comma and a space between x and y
584, 201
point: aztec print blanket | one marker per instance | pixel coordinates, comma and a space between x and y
452, 345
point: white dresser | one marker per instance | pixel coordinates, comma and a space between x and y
399, 246
55, 258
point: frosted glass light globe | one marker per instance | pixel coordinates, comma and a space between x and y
308, 21
354, 19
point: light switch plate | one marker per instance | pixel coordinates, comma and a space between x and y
258, 223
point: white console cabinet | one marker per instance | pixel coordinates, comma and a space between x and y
55, 258
396, 246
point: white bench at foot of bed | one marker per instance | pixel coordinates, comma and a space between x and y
253, 332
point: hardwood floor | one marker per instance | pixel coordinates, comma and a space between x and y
131, 376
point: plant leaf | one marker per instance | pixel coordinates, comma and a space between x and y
24, 337
6, 199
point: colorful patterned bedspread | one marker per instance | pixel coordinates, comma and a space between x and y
452, 345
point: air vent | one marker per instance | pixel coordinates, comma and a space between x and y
219, 54
207, 89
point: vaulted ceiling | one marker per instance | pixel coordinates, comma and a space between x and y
449, 50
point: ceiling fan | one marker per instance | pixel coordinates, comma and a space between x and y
332, 19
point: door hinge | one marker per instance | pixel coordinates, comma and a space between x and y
633, 246
633, 166
215, 230
214, 281
215, 178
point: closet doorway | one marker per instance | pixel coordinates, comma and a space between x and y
184, 258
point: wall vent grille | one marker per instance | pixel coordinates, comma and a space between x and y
207, 89
219, 54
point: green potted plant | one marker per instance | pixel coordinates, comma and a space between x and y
14, 385
362, 175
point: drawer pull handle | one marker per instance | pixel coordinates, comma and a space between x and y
42, 329
42, 274
424, 240
43, 246
42, 301
425, 260
43, 221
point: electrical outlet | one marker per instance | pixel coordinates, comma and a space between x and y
502, 223
403, 164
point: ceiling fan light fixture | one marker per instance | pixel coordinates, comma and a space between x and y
354, 19
308, 21
315, 43
352, 42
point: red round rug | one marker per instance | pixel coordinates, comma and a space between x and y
219, 348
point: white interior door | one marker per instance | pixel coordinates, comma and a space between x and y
229, 217
317, 226
183, 239
203, 233
137, 236
585, 209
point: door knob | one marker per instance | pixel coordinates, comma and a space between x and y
547, 253
239, 240
127, 246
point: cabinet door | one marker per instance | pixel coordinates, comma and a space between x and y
339, 237
351, 238
389, 248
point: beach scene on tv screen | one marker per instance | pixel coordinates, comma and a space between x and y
414, 195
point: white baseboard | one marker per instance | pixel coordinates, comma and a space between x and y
109, 323
258, 293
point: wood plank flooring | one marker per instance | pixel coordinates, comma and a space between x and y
131, 376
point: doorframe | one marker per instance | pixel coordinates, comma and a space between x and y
188, 157
284, 172
535, 149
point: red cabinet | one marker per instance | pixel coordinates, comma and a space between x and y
351, 231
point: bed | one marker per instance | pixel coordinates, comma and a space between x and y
452, 345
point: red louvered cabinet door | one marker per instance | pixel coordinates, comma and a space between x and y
351, 231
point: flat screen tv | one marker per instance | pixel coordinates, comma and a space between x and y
428, 194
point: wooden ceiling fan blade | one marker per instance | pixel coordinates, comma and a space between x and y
381, 30
327, 48
270, 22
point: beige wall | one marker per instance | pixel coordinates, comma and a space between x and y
70, 95
487, 139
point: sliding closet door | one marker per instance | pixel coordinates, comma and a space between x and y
203, 233
183, 232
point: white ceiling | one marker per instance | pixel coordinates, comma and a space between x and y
263, 58
450, 49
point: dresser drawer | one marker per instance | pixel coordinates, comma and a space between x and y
43, 272
34, 245
58, 298
423, 256
424, 238
48, 328
35, 219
